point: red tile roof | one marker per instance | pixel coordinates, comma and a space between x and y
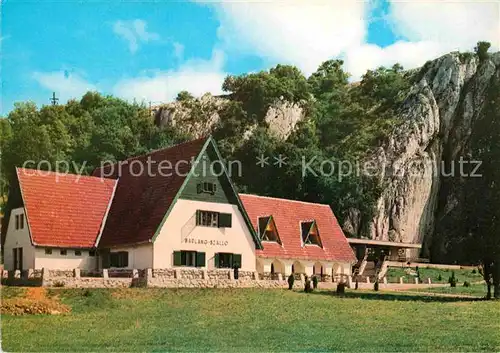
141, 201
64, 210
288, 215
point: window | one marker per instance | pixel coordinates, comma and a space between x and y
20, 221
225, 220
310, 234
206, 187
227, 260
267, 230
118, 259
213, 219
92, 253
64, 252
207, 218
78, 253
189, 258
18, 258
48, 251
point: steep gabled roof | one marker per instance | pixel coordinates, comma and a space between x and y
143, 199
64, 210
288, 215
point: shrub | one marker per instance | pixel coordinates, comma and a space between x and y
291, 280
474, 271
440, 278
375, 286
466, 284
482, 50
58, 284
356, 286
341, 288
315, 282
307, 285
452, 280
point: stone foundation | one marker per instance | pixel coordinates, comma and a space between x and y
162, 278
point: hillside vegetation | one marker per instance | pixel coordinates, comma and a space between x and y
386, 114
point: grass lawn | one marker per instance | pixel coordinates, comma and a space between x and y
251, 320
436, 275
478, 290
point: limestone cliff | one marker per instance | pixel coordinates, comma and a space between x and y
199, 116
419, 196
414, 165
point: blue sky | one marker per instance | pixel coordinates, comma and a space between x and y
149, 51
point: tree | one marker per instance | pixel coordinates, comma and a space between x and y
257, 92
481, 50
82, 133
482, 194
329, 77
184, 96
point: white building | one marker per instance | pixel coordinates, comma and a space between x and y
179, 209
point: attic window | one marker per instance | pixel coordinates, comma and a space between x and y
206, 187
20, 221
310, 234
267, 230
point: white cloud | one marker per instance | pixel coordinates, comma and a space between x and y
454, 25
134, 32
408, 54
195, 76
64, 84
307, 33
300, 33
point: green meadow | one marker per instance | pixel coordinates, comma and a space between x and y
248, 320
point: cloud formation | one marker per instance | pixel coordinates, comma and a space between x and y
306, 33
299, 33
66, 85
196, 76
134, 32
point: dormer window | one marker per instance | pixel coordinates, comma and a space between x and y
310, 233
267, 230
206, 187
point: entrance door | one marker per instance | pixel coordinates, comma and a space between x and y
18, 258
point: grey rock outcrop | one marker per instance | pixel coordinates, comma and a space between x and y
414, 165
199, 116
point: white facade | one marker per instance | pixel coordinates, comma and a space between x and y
18, 238
180, 233
71, 260
309, 267
34, 257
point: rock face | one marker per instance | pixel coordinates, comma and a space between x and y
415, 165
198, 117
183, 116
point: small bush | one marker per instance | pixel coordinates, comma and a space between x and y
341, 288
315, 282
452, 280
482, 50
291, 280
440, 278
375, 286
474, 271
307, 285
466, 284
58, 284
356, 286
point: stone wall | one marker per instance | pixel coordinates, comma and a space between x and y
164, 278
